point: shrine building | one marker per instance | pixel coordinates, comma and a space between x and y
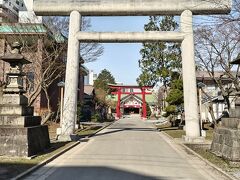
132, 99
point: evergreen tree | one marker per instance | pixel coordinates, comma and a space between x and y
104, 78
175, 97
159, 59
102, 90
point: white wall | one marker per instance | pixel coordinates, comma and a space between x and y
28, 5
27, 15
217, 110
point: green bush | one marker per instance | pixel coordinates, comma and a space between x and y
149, 112
171, 109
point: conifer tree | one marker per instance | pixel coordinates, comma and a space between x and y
159, 59
104, 78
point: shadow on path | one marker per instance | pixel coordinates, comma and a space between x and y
115, 130
99, 173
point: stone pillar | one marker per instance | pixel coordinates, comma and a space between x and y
71, 79
189, 79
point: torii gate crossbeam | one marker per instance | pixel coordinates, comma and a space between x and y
130, 7
78, 8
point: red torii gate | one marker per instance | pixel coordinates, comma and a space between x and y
119, 92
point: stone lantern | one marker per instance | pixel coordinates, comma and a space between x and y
21, 133
15, 74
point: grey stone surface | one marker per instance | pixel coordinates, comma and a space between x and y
23, 142
21, 133
24, 121
72, 76
14, 99
192, 124
235, 113
129, 37
233, 123
226, 143
10, 109
130, 7
189, 139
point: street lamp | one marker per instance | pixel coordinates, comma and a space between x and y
61, 84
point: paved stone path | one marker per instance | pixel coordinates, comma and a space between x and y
130, 149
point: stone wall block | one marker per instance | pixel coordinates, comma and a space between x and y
235, 154
226, 152
24, 121
23, 142
232, 123
16, 110
14, 99
216, 137
38, 138
221, 139
236, 143
226, 141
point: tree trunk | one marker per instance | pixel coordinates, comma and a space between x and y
47, 118
50, 113
210, 110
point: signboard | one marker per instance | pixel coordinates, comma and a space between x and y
131, 7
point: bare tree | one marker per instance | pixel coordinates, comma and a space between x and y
89, 51
216, 47
46, 47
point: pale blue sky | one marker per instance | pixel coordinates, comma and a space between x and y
120, 59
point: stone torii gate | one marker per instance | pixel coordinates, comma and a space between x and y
78, 8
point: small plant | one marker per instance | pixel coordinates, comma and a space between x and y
96, 118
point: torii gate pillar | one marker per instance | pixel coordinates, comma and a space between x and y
189, 79
71, 79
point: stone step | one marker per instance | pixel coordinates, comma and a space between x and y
233, 123
16, 110
24, 121
23, 141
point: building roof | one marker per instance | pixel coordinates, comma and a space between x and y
30, 29
22, 28
84, 69
131, 95
127, 86
204, 76
150, 98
